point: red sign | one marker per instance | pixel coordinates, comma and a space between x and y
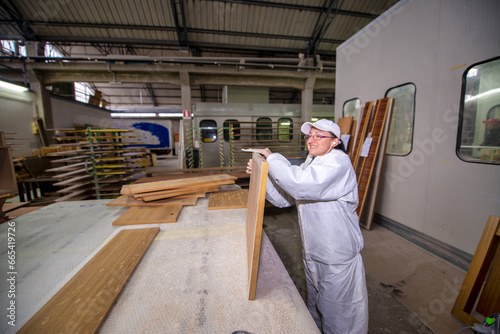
186, 114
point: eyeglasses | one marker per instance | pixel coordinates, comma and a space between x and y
316, 137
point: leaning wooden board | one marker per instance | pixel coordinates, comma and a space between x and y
84, 302
170, 184
255, 216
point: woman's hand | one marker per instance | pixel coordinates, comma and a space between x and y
265, 152
249, 167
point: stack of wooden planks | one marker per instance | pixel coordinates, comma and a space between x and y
162, 201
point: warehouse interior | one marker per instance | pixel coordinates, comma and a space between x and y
90, 69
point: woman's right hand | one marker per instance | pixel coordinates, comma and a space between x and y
249, 167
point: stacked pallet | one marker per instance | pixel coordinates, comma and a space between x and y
161, 201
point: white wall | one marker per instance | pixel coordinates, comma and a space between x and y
428, 43
66, 113
17, 114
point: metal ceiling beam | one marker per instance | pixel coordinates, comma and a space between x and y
180, 26
295, 7
16, 18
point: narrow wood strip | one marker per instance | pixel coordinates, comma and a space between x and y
180, 192
149, 215
129, 200
169, 184
84, 302
189, 189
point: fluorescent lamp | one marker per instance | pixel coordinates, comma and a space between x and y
177, 114
13, 87
133, 115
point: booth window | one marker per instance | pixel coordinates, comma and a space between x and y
478, 138
264, 128
400, 138
285, 129
208, 129
351, 108
236, 129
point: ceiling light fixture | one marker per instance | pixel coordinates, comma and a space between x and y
13, 87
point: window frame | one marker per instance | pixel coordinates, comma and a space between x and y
289, 128
204, 130
359, 107
461, 111
412, 121
259, 130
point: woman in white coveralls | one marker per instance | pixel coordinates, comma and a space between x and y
324, 189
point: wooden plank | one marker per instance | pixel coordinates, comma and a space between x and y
170, 184
478, 270
179, 192
149, 215
361, 135
129, 200
255, 216
84, 302
233, 199
367, 164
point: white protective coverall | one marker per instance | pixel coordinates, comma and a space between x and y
326, 195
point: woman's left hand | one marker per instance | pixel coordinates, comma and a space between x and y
263, 151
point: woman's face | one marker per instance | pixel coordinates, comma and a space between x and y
320, 146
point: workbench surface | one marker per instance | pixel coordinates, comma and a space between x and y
193, 278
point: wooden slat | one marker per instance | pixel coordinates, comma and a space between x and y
235, 199
179, 192
367, 163
84, 302
255, 216
149, 215
361, 135
129, 200
170, 184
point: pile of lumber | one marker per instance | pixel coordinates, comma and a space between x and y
152, 191
162, 201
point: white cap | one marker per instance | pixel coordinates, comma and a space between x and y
323, 125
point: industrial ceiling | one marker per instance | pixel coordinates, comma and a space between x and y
209, 34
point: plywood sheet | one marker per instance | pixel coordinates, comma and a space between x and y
129, 200
84, 302
234, 199
147, 215
170, 184
255, 216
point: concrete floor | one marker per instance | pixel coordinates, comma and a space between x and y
401, 300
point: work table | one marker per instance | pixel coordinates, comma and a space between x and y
192, 279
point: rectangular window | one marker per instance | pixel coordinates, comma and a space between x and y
264, 128
285, 129
351, 108
479, 121
208, 130
400, 138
